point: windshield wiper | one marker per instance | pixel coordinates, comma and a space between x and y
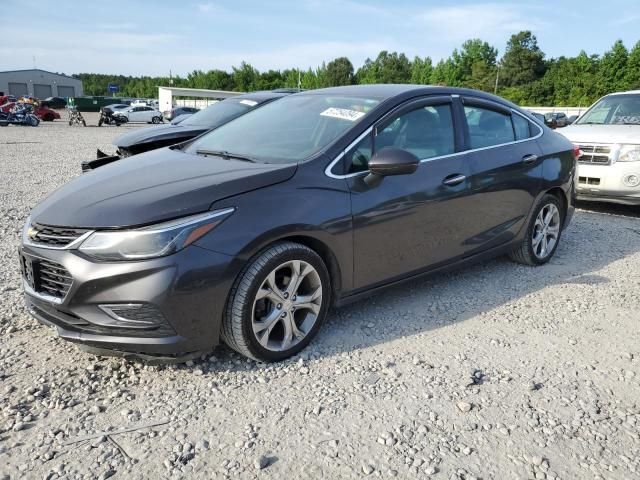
226, 155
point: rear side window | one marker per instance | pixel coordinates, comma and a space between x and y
521, 127
488, 127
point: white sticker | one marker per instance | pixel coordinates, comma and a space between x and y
251, 103
342, 114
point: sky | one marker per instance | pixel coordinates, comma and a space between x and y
151, 37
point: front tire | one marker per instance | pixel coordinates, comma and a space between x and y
543, 233
278, 303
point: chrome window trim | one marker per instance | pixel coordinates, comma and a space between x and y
339, 157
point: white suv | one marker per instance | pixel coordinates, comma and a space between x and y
608, 135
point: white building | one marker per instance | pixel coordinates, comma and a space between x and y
39, 84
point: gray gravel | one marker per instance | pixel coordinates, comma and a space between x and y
497, 371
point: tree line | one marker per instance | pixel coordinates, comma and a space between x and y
523, 74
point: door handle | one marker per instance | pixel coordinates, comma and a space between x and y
531, 158
454, 179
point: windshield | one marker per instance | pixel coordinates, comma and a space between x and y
289, 130
221, 112
614, 110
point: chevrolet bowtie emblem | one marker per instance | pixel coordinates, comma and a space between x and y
32, 233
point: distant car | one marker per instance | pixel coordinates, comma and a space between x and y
46, 114
54, 102
538, 116
115, 107
177, 111
140, 114
145, 139
6, 107
556, 119
180, 118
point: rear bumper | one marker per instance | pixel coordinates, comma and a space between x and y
186, 293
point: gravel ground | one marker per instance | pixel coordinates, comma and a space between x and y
498, 371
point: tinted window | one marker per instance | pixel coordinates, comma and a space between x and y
426, 132
488, 127
358, 157
521, 127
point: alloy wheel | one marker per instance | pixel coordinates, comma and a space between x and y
546, 231
287, 305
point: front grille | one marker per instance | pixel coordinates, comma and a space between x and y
589, 180
54, 236
46, 277
595, 154
53, 279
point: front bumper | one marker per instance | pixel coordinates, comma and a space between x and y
609, 183
187, 290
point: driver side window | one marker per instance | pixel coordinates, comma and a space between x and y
426, 132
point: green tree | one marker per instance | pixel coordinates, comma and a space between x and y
632, 77
421, 70
340, 72
612, 71
245, 77
386, 68
523, 61
473, 54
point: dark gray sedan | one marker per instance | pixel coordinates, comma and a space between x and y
249, 234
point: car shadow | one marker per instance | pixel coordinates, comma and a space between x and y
444, 299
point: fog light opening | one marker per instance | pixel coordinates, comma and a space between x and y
632, 180
134, 314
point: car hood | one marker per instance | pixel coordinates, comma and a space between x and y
602, 133
152, 187
161, 132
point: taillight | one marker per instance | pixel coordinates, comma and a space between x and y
577, 153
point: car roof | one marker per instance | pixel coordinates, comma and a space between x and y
386, 91
630, 92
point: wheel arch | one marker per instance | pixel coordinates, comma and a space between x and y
327, 255
560, 194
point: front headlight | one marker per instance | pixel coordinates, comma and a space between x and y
629, 153
153, 241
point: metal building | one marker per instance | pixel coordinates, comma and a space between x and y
39, 84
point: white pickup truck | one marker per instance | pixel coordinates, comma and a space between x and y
608, 136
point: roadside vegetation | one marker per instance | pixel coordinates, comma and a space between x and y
522, 74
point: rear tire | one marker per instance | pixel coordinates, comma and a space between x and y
278, 303
543, 233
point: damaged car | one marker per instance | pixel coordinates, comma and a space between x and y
144, 140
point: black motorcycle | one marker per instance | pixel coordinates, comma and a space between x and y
107, 117
21, 114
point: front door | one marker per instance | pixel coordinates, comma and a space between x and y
407, 223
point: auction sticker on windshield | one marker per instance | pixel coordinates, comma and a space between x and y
342, 113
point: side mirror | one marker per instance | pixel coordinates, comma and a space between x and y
390, 161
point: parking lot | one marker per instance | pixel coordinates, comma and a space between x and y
495, 371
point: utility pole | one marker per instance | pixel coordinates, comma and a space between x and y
299, 80
495, 90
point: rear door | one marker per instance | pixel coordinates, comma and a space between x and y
505, 168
